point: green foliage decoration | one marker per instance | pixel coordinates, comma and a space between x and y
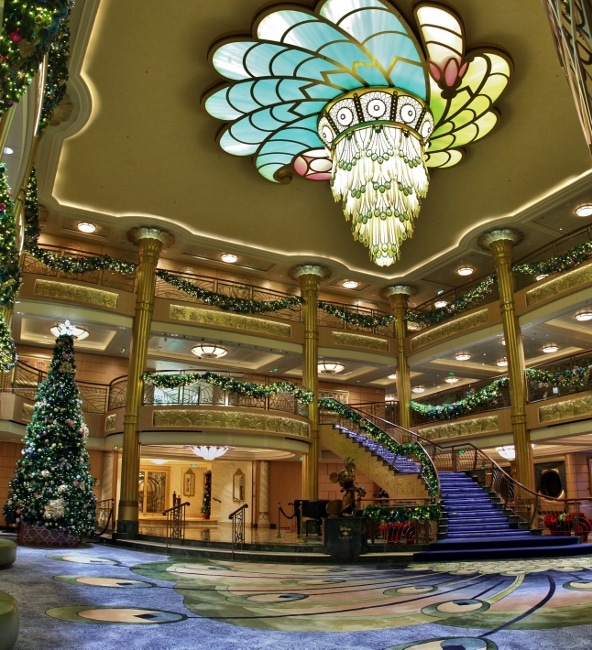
10, 272
401, 514
571, 378
566, 262
354, 318
28, 30
52, 484
206, 504
70, 264
247, 389
8, 355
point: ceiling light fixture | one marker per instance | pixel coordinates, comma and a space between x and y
584, 210
66, 328
350, 284
330, 367
502, 363
465, 270
451, 380
584, 315
209, 452
507, 451
86, 227
8, 151
541, 276
418, 389
393, 376
549, 348
158, 461
229, 258
360, 116
209, 351
462, 356
440, 304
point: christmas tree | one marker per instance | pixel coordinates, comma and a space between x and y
52, 485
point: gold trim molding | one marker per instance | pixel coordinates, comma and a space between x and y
581, 406
225, 319
28, 412
459, 429
565, 282
237, 421
359, 341
76, 293
456, 326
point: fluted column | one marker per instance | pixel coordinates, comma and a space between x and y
309, 277
501, 244
149, 242
263, 495
398, 296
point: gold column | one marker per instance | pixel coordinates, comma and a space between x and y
149, 242
309, 276
398, 296
501, 244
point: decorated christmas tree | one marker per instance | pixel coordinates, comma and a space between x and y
52, 486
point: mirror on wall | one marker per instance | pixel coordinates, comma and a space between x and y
238, 492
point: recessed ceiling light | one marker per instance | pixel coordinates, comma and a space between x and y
583, 315
451, 380
8, 151
229, 258
548, 348
440, 303
418, 389
462, 356
158, 461
393, 376
350, 284
330, 367
86, 227
209, 351
584, 210
465, 270
502, 363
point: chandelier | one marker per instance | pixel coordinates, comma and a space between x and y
330, 367
507, 451
209, 351
347, 93
209, 452
66, 328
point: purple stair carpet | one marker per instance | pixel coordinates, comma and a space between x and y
474, 526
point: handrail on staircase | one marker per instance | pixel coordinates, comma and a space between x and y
104, 516
175, 519
238, 526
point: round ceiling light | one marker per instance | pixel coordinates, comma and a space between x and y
584, 315
393, 376
330, 367
229, 258
209, 351
584, 210
462, 356
79, 333
350, 284
418, 389
439, 304
549, 348
86, 227
465, 270
502, 363
451, 380
507, 451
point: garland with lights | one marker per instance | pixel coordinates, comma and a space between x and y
228, 303
28, 29
559, 263
246, 389
410, 450
8, 356
402, 514
354, 318
10, 271
484, 396
31, 212
76, 265
469, 300
578, 377
206, 503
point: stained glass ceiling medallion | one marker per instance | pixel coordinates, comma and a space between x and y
347, 94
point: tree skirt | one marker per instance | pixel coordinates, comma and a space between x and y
40, 536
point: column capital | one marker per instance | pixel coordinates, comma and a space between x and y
136, 235
502, 234
317, 270
396, 289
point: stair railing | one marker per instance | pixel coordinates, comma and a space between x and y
104, 516
238, 527
175, 528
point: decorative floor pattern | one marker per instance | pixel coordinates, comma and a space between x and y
501, 605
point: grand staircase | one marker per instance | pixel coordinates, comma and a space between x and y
475, 526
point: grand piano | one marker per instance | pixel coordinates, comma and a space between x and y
308, 510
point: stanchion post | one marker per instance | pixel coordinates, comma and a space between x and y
279, 533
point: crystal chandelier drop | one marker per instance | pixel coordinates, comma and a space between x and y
377, 139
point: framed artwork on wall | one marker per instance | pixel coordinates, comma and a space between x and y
189, 483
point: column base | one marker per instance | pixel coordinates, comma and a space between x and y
127, 528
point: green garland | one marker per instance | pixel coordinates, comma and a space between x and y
480, 398
559, 263
578, 377
401, 514
410, 450
69, 264
10, 270
8, 356
469, 300
235, 305
354, 318
247, 389
28, 30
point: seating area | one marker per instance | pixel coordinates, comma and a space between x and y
9, 616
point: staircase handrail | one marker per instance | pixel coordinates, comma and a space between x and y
238, 527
